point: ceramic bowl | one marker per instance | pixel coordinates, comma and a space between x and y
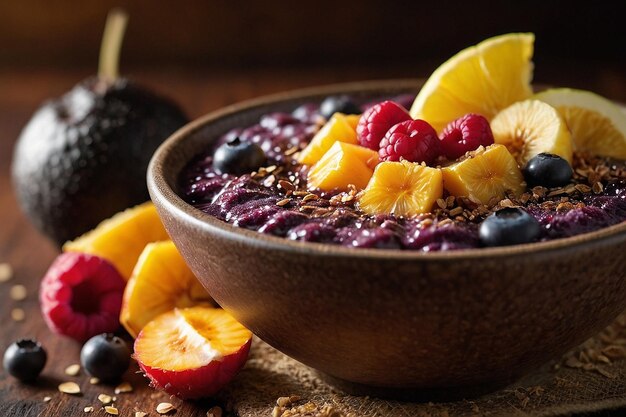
391, 319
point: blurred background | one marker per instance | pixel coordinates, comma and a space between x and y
207, 53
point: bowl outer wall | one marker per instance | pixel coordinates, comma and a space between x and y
391, 318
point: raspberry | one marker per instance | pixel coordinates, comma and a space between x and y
412, 140
81, 296
377, 120
465, 134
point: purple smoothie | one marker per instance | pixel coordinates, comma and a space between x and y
258, 203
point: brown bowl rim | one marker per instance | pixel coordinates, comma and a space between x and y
160, 189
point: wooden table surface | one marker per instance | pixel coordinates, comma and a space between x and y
198, 91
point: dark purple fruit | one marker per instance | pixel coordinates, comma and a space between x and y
83, 157
25, 359
509, 226
105, 356
238, 157
338, 104
547, 170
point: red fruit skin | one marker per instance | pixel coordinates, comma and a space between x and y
377, 120
465, 134
200, 382
411, 140
81, 296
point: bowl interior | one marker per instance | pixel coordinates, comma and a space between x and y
174, 154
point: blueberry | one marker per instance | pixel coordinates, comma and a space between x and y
338, 104
548, 170
25, 359
105, 356
238, 157
509, 226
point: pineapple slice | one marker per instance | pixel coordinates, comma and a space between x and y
486, 174
482, 79
402, 188
531, 127
340, 128
342, 165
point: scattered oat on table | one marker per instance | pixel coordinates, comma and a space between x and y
111, 410
18, 292
164, 408
105, 399
71, 388
72, 370
214, 412
140, 414
18, 314
88, 409
283, 401
6, 272
46, 399
123, 387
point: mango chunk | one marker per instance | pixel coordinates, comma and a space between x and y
340, 128
342, 165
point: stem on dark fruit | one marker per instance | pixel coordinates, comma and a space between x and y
111, 46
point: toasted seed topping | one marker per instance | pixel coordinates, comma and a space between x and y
309, 197
286, 185
306, 208
291, 151
18, 292
6, 272
456, 211
88, 409
46, 399
18, 314
72, 370
111, 410
214, 412
105, 399
597, 187
123, 387
283, 202
71, 388
140, 414
94, 381
164, 408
